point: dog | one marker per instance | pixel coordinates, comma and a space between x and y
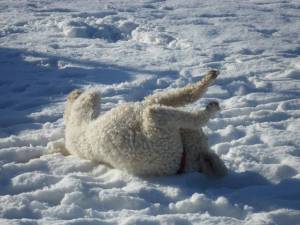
148, 138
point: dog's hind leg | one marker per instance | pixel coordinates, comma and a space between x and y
85, 108
70, 100
185, 95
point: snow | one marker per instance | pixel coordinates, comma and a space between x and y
127, 50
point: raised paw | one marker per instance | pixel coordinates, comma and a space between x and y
213, 106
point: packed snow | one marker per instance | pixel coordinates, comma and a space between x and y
128, 49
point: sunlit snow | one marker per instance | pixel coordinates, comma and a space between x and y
128, 49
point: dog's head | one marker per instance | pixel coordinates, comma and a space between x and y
210, 164
206, 162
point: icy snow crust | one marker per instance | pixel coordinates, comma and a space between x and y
128, 49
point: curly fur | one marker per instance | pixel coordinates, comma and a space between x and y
144, 138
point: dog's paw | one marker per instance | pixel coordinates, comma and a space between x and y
57, 147
74, 95
212, 74
213, 107
89, 99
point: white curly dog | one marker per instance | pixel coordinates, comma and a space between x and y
148, 138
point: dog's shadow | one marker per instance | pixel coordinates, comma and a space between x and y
32, 82
241, 188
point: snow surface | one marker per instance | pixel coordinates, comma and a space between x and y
128, 49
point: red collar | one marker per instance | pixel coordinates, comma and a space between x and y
182, 162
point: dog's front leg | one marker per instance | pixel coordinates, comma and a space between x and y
172, 117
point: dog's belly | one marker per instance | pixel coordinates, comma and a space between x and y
118, 139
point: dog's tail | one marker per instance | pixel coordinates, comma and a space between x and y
186, 95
